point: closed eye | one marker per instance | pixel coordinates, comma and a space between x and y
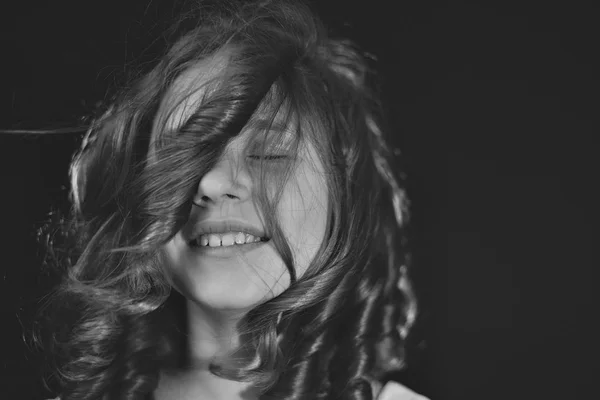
268, 157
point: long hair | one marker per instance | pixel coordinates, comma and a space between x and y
339, 326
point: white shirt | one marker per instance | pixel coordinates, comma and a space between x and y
395, 391
390, 391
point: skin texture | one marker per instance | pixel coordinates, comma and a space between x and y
219, 290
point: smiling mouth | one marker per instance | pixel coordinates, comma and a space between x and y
229, 239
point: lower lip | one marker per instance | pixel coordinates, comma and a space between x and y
226, 251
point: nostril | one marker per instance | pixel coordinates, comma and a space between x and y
202, 202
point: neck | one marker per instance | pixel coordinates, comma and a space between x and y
211, 333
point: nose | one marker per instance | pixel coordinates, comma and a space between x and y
227, 181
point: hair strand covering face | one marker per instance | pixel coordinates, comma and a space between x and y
113, 320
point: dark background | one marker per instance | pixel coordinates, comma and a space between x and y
494, 107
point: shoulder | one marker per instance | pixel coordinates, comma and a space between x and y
395, 391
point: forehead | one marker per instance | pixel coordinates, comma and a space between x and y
197, 82
188, 90
275, 116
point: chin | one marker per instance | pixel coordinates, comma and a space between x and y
225, 297
226, 288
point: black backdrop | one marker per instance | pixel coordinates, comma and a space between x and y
493, 104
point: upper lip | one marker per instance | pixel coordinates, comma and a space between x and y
224, 226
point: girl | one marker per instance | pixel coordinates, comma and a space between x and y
237, 223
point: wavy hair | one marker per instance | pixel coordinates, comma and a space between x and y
353, 306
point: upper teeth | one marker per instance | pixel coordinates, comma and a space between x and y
225, 239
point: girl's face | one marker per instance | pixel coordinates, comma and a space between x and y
240, 276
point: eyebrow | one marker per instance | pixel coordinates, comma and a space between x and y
261, 124
272, 125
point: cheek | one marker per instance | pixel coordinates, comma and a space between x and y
303, 216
